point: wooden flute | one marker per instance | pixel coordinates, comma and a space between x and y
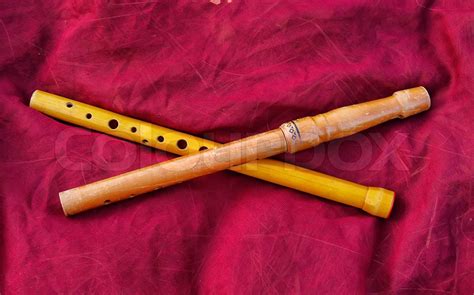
292, 137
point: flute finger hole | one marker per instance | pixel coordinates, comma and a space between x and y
182, 144
133, 129
88, 115
113, 124
106, 202
203, 148
69, 104
160, 138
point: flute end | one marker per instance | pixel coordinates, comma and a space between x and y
379, 202
62, 200
34, 95
413, 101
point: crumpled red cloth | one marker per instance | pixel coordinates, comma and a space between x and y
228, 71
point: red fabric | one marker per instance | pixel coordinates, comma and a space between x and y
227, 71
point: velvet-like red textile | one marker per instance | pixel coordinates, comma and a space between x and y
228, 71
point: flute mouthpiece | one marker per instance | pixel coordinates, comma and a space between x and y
413, 101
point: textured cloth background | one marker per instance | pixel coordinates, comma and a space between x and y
228, 71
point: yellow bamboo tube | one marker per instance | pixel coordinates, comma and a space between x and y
376, 201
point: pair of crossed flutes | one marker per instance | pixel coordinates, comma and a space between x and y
247, 156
